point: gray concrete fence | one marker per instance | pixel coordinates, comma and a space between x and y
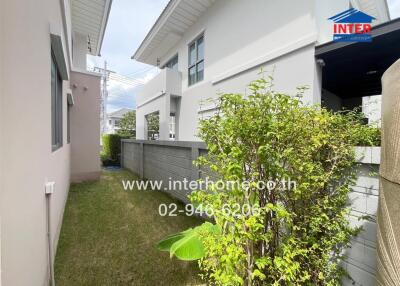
164, 161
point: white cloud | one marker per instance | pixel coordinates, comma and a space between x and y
122, 90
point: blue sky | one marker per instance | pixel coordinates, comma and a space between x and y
128, 24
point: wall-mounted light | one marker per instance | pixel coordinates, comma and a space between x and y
320, 62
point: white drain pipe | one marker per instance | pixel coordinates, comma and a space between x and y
49, 189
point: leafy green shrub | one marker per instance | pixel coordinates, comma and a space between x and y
111, 149
290, 236
107, 161
369, 136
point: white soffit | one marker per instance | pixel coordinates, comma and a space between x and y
170, 26
89, 18
376, 8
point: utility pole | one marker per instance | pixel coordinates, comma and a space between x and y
105, 73
104, 98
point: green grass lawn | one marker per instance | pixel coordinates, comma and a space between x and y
109, 237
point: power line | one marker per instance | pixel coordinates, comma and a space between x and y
123, 79
146, 69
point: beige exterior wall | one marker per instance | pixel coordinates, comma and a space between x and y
26, 158
1, 128
85, 127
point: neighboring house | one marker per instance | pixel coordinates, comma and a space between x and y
49, 125
114, 118
205, 47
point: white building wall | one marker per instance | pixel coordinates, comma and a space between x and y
80, 48
111, 124
376, 8
371, 107
325, 10
239, 40
161, 104
291, 71
239, 36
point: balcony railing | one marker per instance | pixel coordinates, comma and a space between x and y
167, 81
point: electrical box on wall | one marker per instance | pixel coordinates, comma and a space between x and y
49, 188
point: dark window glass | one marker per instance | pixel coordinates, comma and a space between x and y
196, 60
200, 48
53, 103
192, 54
192, 75
56, 107
200, 71
68, 124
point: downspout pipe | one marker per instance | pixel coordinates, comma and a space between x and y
49, 189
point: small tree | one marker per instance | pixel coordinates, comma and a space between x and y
127, 125
276, 235
153, 125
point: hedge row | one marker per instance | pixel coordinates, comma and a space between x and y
111, 149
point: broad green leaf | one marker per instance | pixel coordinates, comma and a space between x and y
166, 243
187, 245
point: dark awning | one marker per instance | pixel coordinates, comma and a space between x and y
355, 69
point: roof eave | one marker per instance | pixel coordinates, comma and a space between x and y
106, 15
154, 29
